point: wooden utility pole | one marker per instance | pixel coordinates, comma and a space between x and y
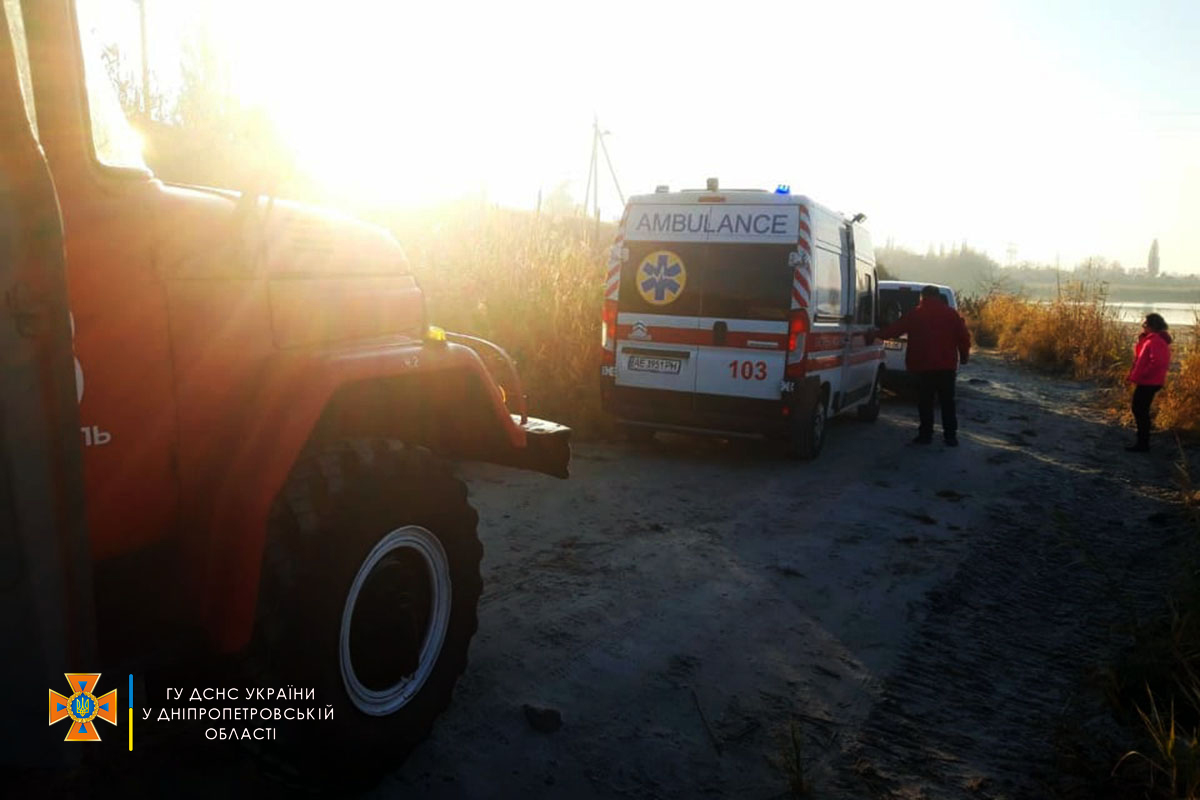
587, 189
593, 180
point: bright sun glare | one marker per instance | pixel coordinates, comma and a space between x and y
941, 122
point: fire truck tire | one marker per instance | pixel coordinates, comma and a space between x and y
808, 432
368, 596
869, 411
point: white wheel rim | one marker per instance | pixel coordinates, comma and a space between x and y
387, 701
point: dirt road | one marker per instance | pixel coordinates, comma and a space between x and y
920, 618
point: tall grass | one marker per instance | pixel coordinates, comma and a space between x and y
1179, 407
1171, 766
532, 284
1158, 678
1076, 333
1079, 333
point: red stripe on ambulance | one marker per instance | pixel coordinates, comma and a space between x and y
616, 257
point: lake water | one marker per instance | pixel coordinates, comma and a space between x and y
1177, 315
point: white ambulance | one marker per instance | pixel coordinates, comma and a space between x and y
897, 298
739, 312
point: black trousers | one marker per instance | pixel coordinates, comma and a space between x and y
1142, 396
938, 382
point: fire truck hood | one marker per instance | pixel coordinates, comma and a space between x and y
211, 233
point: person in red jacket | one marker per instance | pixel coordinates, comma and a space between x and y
938, 341
1151, 357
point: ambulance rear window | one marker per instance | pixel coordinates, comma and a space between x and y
899, 301
747, 282
692, 279
896, 301
662, 278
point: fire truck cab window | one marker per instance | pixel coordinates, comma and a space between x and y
108, 31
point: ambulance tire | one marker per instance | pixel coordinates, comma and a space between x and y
808, 431
379, 536
869, 411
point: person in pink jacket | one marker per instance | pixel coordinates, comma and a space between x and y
1151, 357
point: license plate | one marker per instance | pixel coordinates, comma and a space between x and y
893, 345
664, 366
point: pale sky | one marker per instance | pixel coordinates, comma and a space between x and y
1065, 129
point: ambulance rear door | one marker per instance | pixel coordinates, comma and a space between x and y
744, 319
658, 310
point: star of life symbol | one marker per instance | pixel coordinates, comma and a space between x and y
661, 277
83, 707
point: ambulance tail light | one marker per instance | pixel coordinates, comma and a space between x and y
797, 328
608, 332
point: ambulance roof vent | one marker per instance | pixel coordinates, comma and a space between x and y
662, 188
713, 184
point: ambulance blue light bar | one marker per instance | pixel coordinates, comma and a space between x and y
783, 188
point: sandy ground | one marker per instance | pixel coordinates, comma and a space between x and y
920, 621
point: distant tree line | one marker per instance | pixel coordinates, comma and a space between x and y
962, 268
972, 271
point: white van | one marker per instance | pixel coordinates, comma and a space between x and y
897, 298
739, 313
